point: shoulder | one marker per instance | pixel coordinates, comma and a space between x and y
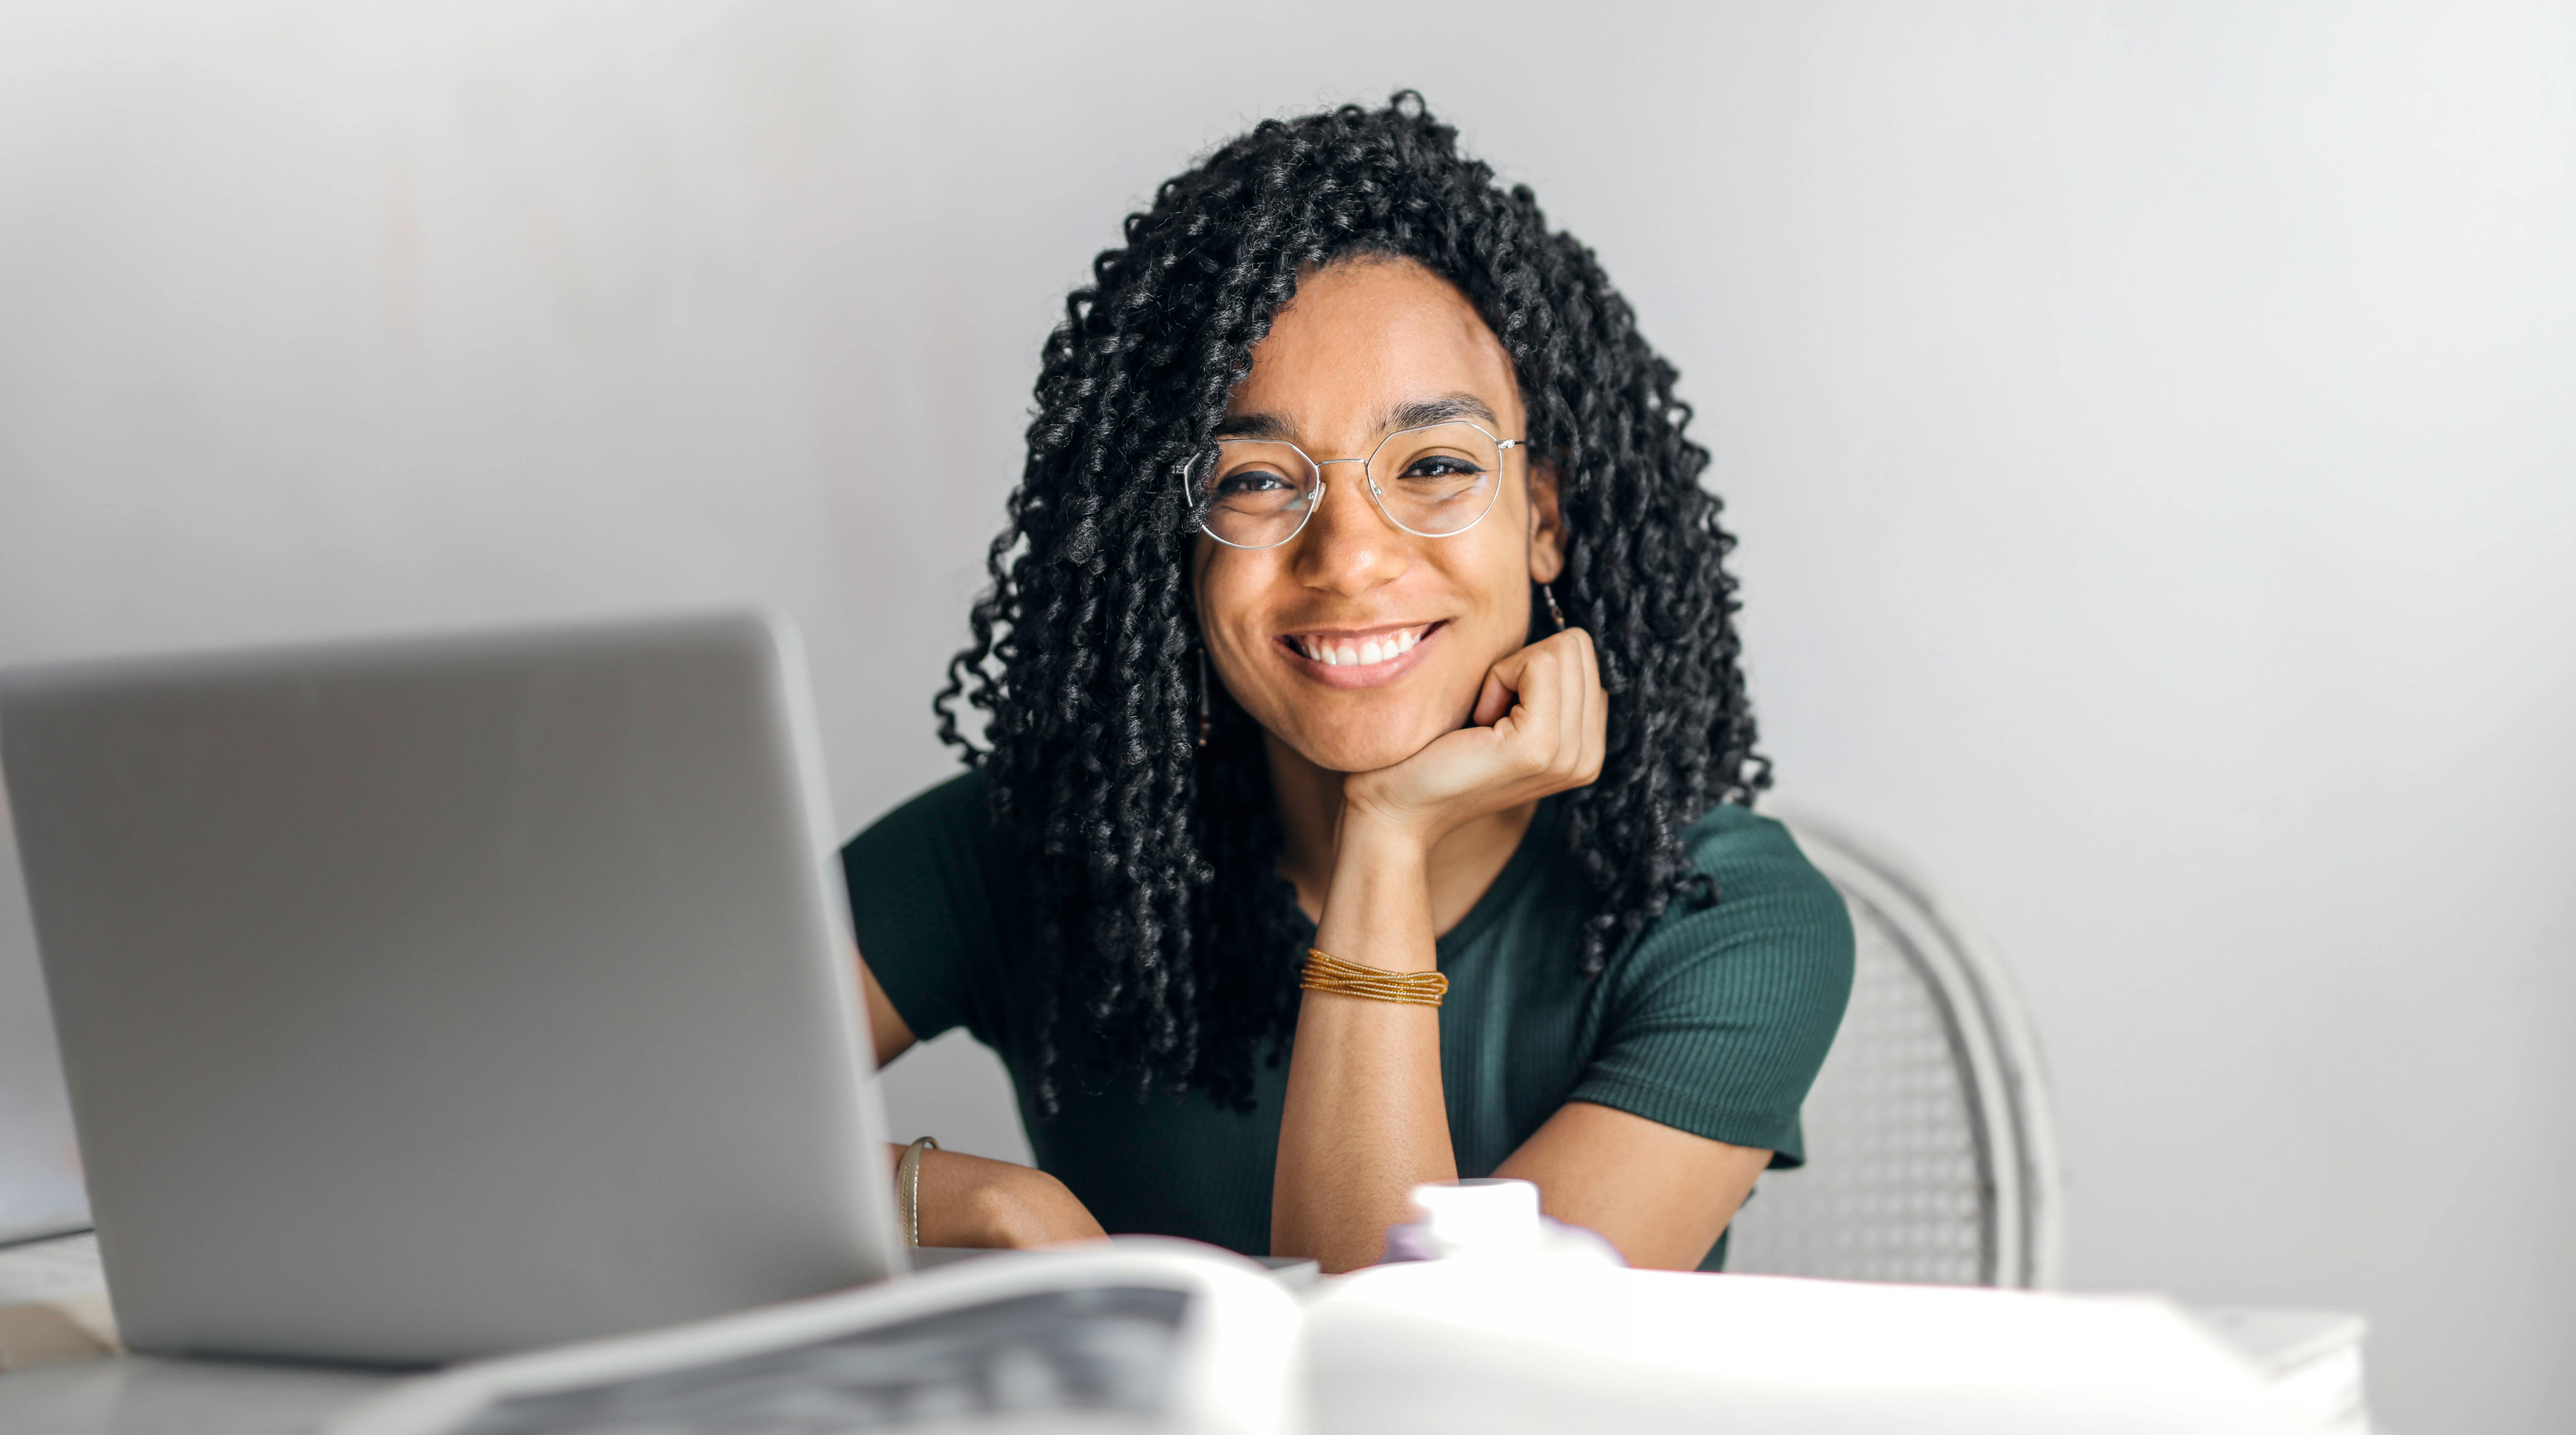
923, 884
948, 822
960, 802
1777, 919
1757, 862
942, 837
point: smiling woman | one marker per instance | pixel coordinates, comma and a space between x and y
1367, 791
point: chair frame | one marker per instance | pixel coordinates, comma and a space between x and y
1991, 1038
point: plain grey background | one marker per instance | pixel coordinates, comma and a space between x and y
2148, 426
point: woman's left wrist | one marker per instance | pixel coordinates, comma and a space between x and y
1382, 838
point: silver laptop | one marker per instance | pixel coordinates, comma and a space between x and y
432, 998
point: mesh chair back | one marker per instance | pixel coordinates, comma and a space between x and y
1931, 1149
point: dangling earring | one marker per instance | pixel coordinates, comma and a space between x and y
1553, 611
1203, 695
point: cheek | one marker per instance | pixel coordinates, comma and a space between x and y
1496, 576
1228, 593
1217, 591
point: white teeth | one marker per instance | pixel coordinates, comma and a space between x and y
1362, 654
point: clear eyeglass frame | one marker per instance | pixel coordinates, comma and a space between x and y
1314, 493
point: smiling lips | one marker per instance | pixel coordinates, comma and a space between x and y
1359, 650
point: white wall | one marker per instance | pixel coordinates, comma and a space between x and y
2148, 426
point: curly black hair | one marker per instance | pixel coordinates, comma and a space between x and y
1084, 655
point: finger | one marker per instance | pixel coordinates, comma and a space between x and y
1572, 659
1596, 701
1502, 687
1570, 716
1511, 665
1578, 710
1545, 695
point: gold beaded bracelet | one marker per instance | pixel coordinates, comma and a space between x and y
1328, 973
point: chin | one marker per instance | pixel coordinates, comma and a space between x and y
1370, 748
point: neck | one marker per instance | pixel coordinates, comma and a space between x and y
1463, 864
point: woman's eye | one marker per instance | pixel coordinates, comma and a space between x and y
1248, 482
1441, 465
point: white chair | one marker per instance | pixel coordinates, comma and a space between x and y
1931, 1148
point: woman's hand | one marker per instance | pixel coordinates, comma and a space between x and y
1540, 726
970, 1201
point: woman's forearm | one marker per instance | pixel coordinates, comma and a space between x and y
971, 1201
1363, 1120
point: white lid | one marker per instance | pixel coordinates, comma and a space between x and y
1478, 1215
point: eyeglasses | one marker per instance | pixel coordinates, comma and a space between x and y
1432, 482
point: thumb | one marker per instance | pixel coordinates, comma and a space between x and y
1501, 689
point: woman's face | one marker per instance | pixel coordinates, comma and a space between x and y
1368, 347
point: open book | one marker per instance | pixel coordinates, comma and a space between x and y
1163, 1335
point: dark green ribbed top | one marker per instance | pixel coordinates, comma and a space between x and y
1714, 1022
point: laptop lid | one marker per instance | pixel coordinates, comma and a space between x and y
436, 997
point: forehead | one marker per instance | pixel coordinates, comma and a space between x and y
1363, 341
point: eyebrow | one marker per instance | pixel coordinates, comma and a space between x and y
1267, 426
1447, 408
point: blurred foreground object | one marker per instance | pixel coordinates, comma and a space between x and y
1490, 1218
1464, 1345
1138, 1333
2312, 1358
1931, 1143
1493, 1346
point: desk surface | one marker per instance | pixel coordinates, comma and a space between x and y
141, 1395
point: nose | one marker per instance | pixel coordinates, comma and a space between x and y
1347, 547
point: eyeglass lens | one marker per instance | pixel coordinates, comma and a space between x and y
1431, 481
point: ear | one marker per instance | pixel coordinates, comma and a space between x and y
1547, 525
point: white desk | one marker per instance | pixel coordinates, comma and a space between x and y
140, 1395
136, 1395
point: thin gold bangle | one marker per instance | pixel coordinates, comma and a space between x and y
1328, 973
907, 1186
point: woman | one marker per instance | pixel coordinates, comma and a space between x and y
1359, 616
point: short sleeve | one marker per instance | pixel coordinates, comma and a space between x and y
1718, 1020
921, 904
